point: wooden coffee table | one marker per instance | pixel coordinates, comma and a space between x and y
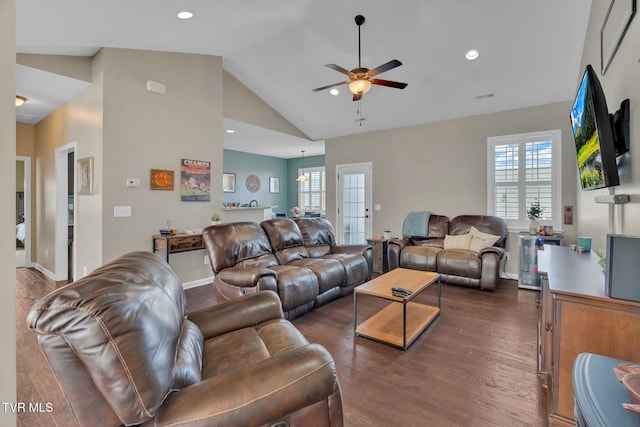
402, 321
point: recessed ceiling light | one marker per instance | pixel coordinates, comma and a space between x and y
230, 131
184, 15
334, 92
472, 54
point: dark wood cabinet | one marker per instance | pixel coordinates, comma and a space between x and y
576, 316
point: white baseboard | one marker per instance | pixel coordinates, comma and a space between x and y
199, 282
44, 271
512, 276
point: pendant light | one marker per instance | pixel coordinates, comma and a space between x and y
302, 176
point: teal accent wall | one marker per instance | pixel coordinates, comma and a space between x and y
245, 164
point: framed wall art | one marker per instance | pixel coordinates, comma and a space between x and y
615, 25
85, 176
228, 182
195, 181
274, 184
161, 179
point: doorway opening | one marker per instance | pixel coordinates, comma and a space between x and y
23, 211
65, 212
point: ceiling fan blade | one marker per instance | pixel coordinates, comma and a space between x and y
328, 86
339, 69
357, 96
385, 67
388, 83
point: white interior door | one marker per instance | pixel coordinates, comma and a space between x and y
353, 192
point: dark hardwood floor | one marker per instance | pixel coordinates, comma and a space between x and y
475, 366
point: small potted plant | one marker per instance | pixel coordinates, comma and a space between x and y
534, 212
215, 219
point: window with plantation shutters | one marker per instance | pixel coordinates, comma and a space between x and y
522, 170
311, 193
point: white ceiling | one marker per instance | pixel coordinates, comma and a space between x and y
530, 53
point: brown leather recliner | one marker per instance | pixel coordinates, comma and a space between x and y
456, 266
243, 262
125, 351
298, 260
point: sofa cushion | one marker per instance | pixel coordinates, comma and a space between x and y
317, 234
461, 241
419, 257
286, 239
238, 244
297, 287
459, 262
329, 272
480, 240
247, 346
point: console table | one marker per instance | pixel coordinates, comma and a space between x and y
576, 316
177, 243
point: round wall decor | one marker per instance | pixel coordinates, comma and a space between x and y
253, 183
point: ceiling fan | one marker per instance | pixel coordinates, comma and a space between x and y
361, 79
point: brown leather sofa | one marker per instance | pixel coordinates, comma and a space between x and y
305, 269
125, 351
464, 267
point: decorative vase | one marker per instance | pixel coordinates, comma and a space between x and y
533, 227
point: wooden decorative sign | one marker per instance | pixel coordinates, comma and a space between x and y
161, 179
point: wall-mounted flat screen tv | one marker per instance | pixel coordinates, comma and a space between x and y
593, 135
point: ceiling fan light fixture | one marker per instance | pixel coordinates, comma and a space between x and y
20, 100
185, 14
472, 54
359, 86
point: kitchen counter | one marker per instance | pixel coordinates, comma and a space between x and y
254, 214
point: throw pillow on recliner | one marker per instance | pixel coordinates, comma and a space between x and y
480, 240
461, 241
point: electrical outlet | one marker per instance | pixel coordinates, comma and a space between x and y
46, 253
507, 255
206, 259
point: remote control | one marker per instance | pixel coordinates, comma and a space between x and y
402, 290
399, 294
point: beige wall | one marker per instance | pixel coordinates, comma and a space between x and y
619, 82
144, 130
7, 210
129, 131
442, 167
245, 106
76, 67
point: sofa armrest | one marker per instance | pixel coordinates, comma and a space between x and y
260, 394
249, 310
394, 248
351, 249
492, 250
245, 277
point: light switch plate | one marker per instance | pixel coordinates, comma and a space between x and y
121, 211
133, 182
377, 207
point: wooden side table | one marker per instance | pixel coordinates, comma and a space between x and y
177, 243
380, 257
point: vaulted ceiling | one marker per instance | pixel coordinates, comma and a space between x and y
529, 52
